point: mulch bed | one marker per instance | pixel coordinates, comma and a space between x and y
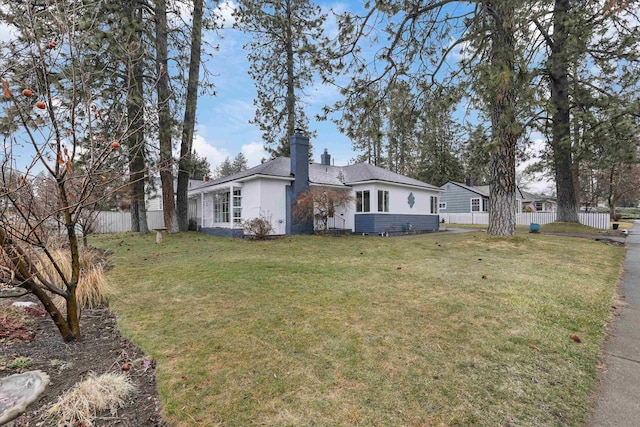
103, 349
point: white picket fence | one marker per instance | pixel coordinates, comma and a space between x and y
120, 222
597, 220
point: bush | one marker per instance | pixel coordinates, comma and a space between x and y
259, 227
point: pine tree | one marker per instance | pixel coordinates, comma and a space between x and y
286, 53
191, 103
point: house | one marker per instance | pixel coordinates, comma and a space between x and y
384, 201
538, 202
468, 198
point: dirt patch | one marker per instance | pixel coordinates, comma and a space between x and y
103, 349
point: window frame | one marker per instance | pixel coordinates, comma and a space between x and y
237, 206
479, 205
363, 201
383, 196
221, 207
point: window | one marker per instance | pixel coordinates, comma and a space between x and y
237, 206
539, 206
362, 201
221, 207
383, 201
434, 204
442, 205
479, 205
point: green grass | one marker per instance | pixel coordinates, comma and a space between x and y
439, 329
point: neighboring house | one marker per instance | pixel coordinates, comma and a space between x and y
538, 202
468, 198
384, 202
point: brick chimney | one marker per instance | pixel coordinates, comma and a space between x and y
469, 182
325, 158
299, 148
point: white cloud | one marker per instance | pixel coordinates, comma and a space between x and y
254, 152
214, 155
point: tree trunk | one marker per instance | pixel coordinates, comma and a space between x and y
182, 203
24, 270
135, 112
164, 119
502, 206
291, 70
560, 126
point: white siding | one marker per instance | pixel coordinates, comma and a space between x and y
399, 198
266, 197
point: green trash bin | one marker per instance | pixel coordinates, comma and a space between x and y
534, 228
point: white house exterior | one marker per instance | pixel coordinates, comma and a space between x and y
384, 201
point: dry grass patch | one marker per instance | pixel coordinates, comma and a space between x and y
95, 394
440, 329
93, 288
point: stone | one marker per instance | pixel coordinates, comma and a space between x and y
18, 391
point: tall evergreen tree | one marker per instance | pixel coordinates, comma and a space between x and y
189, 122
587, 44
165, 119
286, 53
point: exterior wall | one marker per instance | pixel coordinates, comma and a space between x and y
458, 199
402, 217
376, 223
266, 197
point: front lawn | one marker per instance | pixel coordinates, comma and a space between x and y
437, 329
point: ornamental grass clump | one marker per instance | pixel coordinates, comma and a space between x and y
96, 394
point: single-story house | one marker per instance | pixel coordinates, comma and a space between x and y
468, 198
383, 201
532, 202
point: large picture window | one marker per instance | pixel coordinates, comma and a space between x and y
362, 201
383, 201
221, 207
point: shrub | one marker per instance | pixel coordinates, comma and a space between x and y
259, 227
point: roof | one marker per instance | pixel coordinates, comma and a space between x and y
533, 197
280, 167
482, 190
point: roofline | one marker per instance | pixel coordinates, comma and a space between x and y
373, 181
466, 188
260, 175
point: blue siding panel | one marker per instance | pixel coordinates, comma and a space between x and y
458, 199
223, 232
395, 223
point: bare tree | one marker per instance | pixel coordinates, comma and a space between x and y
318, 204
54, 114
